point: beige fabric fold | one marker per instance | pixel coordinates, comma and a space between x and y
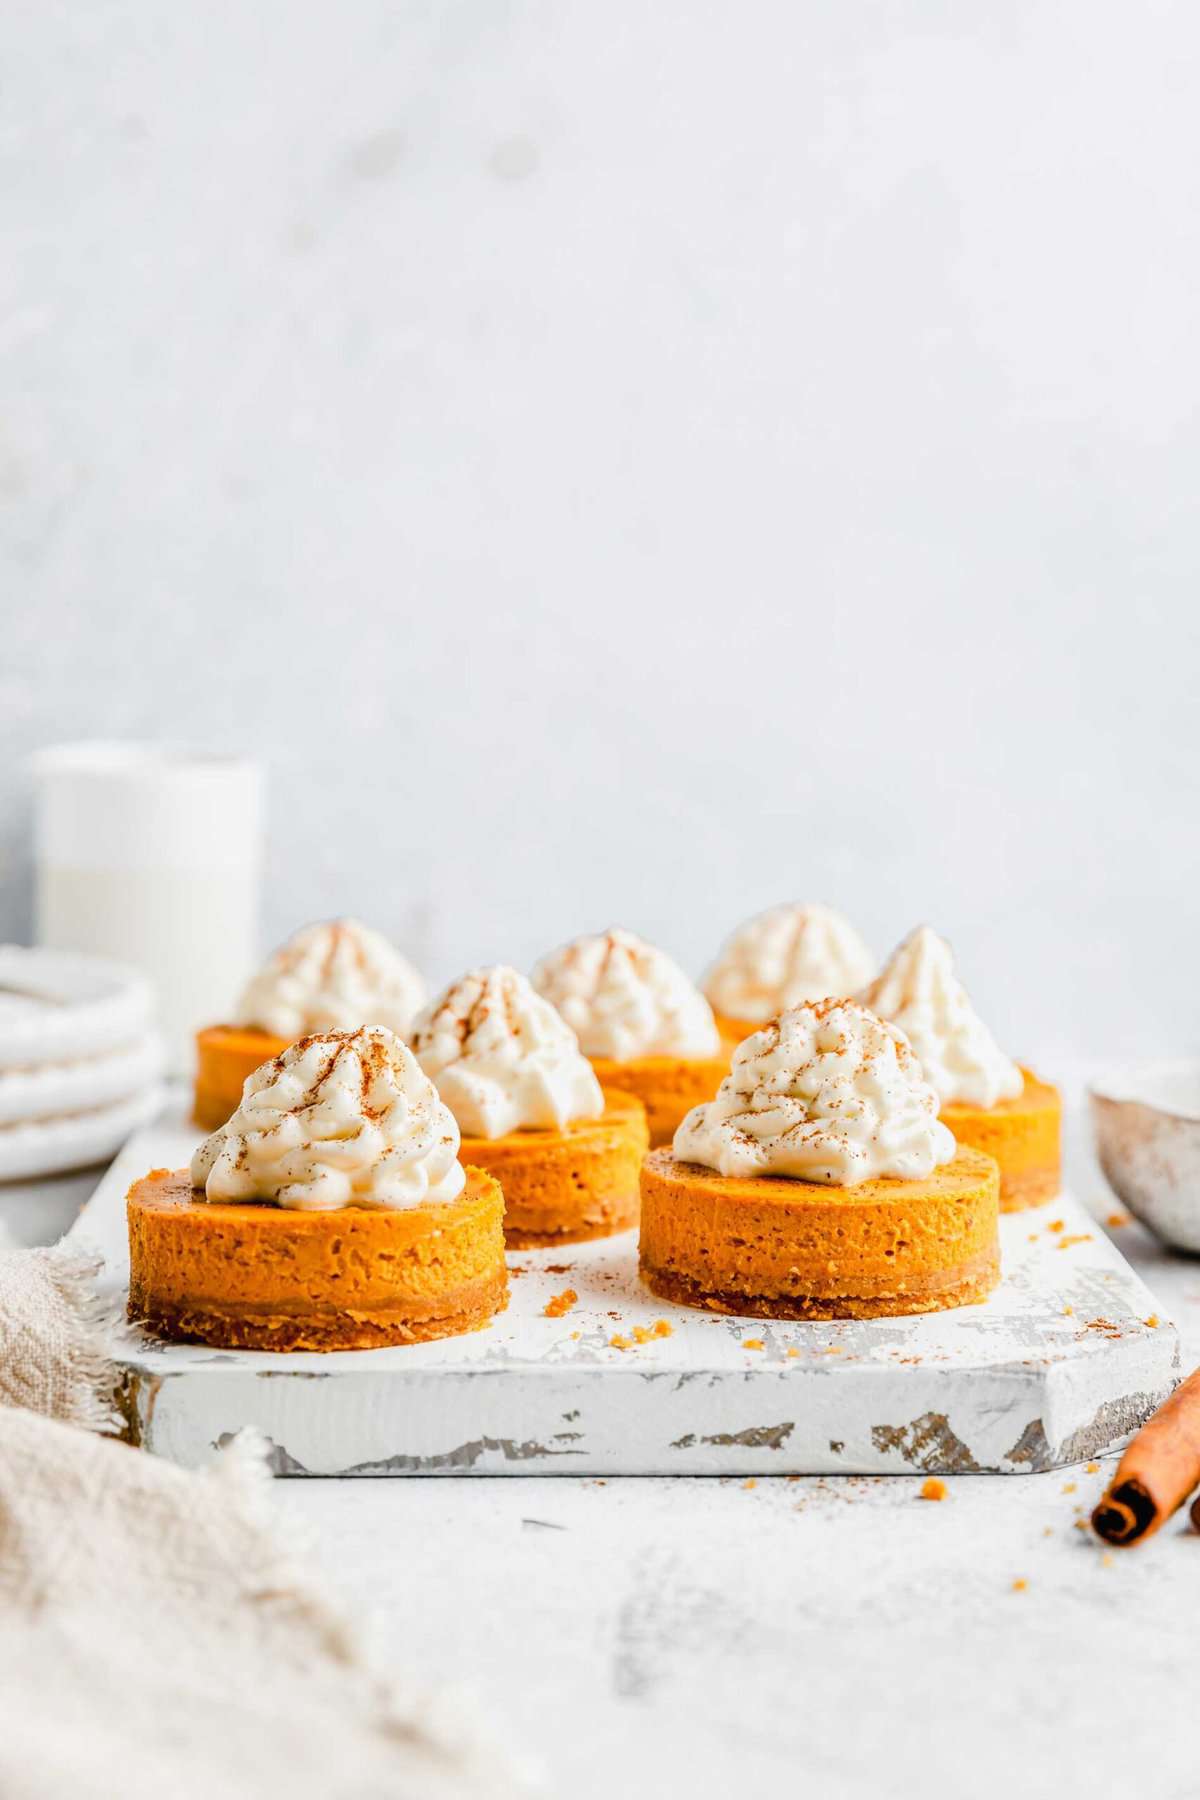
53, 1333
159, 1634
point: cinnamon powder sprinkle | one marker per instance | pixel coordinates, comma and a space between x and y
558, 1304
933, 1489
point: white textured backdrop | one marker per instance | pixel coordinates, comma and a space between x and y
630, 463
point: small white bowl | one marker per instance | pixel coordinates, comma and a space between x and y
1146, 1121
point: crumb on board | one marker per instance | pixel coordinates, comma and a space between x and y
1073, 1237
1047, 1531
933, 1488
558, 1268
1033, 1237
1093, 1468
1055, 1225
1069, 1311
575, 1335
642, 1334
1020, 1584
791, 1350
1152, 1321
1106, 1560
1117, 1219
558, 1304
753, 1344
1080, 1524
751, 1482
1068, 1487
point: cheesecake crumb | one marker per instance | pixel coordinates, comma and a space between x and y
753, 1344
1020, 1584
1055, 1225
617, 1342
1093, 1468
1117, 1219
1152, 1321
1078, 1237
558, 1304
933, 1489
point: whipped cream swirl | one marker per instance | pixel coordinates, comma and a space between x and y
784, 957
918, 990
334, 976
346, 1118
502, 1058
827, 1092
623, 999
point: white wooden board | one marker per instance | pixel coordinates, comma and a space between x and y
1059, 1365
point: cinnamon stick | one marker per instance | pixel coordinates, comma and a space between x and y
1157, 1472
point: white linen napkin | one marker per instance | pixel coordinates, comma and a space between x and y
158, 1634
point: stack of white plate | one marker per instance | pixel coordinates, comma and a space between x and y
80, 1062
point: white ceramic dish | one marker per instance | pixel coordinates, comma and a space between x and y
56, 1006
1146, 1121
56, 1089
76, 1140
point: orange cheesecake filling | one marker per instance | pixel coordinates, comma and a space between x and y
667, 1086
1024, 1135
562, 1187
255, 1276
225, 1056
781, 1248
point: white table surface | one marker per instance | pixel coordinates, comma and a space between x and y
701, 1637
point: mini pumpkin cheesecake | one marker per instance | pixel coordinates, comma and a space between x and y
989, 1102
333, 976
329, 1213
645, 1028
531, 1111
780, 959
820, 1183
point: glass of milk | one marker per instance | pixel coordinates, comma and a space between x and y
153, 856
